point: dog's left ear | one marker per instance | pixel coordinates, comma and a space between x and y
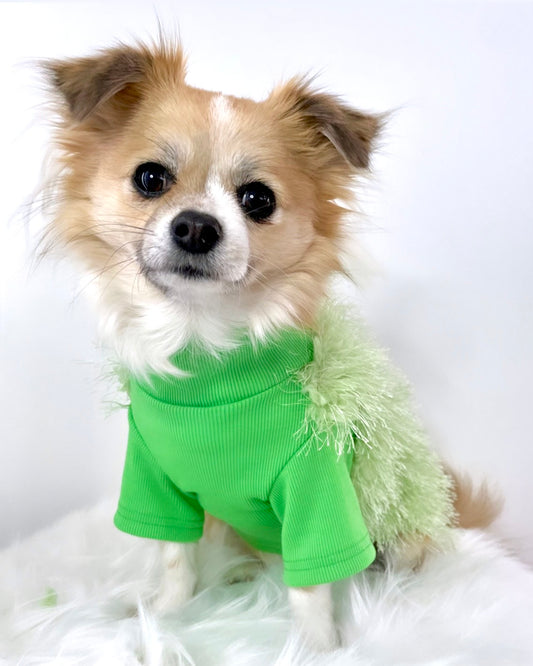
350, 132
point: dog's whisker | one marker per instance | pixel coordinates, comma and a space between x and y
108, 267
125, 265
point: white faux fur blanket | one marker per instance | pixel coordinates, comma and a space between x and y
73, 594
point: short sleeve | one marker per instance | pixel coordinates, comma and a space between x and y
150, 505
323, 535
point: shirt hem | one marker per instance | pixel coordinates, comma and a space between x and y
329, 569
169, 531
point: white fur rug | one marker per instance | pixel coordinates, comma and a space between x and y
73, 593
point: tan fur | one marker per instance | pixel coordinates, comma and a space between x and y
411, 551
128, 105
476, 508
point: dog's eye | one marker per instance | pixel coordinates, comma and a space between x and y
152, 179
257, 200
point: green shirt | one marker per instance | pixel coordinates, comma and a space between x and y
230, 439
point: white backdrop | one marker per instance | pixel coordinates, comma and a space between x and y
448, 220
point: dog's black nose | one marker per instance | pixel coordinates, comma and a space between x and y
195, 232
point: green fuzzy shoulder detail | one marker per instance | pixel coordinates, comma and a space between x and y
359, 399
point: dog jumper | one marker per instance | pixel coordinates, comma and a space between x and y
228, 438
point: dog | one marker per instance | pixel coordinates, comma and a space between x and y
209, 227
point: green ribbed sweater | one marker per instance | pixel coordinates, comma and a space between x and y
229, 439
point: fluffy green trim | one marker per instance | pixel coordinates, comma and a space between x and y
358, 399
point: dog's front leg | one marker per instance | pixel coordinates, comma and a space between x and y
179, 577
312, 609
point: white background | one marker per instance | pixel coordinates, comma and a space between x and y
448, 220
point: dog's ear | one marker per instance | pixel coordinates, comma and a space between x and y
87, 84
325, 118
105, 87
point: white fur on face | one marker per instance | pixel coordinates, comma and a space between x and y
227, 261
221, 114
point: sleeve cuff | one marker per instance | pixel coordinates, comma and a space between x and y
330, 568
164, 529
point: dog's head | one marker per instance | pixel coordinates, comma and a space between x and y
176, 193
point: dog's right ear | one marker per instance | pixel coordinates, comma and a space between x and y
87, 85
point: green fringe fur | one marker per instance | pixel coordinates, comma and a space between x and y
358, 399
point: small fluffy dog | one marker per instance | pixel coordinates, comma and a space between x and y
210, 226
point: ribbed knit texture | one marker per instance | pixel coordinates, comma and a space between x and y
228, 439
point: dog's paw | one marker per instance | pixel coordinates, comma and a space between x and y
323, 639
171, 597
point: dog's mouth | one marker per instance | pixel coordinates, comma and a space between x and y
193, 273
161, 276
193, 280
